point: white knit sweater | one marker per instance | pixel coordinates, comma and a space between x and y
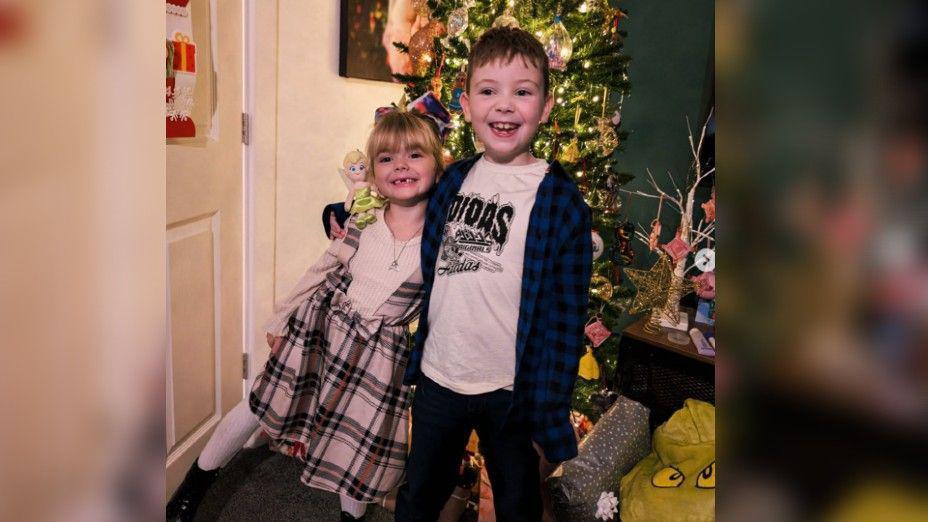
372, 280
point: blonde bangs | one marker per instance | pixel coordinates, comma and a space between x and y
399, 130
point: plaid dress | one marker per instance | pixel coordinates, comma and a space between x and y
333, 395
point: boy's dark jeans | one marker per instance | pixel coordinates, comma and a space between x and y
442, 422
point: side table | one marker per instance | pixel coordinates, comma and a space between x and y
660, 374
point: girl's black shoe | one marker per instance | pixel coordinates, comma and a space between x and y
346, 517
183, 505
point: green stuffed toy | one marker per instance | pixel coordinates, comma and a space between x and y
676, 481
361, 200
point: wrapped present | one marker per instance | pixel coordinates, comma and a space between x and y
616, 443
185, 53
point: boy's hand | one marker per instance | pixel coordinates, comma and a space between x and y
335, 231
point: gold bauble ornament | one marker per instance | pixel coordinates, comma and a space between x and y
601, 287
571, 152
422, 47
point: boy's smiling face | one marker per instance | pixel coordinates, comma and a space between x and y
505, 103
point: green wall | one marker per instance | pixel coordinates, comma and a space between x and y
671, 45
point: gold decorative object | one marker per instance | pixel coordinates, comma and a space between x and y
506, 20
422, 46
571, 152
608, 140
421, 7
601, 287
654, 287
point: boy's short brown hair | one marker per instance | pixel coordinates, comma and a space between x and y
507, 43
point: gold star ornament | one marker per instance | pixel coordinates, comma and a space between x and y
653, 285
656, 288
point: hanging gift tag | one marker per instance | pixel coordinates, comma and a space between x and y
677, 249
597, 332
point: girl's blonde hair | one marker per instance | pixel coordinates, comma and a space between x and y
396, 130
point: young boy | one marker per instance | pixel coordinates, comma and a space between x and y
506, 259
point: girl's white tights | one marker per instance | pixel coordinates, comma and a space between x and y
231, 434
353, 507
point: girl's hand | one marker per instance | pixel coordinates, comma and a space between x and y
335, 231
274, 342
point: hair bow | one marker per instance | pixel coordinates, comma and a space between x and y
427, 105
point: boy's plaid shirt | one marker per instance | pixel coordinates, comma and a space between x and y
552, 311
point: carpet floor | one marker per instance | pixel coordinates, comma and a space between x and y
260, 485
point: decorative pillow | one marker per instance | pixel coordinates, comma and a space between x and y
617, 442
676, 482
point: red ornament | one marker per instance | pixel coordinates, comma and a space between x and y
709, 208
705, 285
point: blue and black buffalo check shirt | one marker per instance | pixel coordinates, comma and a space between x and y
552, 311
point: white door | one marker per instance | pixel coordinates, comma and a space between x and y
204, 248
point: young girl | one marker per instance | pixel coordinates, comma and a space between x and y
331, 393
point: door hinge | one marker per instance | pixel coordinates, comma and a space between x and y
246, 128
245, 366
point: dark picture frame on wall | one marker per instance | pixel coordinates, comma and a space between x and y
361, 50
368, 29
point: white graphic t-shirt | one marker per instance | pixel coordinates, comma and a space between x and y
474, 305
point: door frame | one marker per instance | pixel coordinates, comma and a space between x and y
259, 160
248, 191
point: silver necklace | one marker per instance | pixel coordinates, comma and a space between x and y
395, 265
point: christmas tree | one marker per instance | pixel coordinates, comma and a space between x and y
589, 82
